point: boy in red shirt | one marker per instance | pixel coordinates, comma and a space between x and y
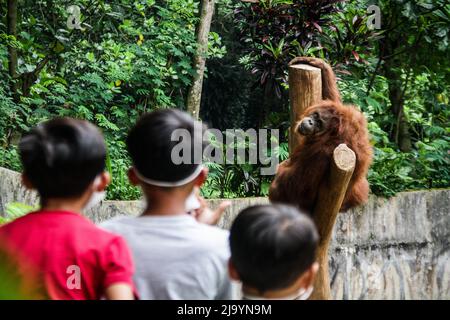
66, 254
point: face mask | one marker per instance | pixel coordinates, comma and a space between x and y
192, 202
303, 294
96, 196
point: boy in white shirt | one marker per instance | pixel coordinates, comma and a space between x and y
176, 257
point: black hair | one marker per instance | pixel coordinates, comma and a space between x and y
150, 145
272, 245
61, 157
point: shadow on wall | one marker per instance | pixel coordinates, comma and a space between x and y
396, 248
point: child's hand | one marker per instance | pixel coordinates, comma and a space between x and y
208, 216
119, 291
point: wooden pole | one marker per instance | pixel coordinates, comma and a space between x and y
326, 210
195, 91
305, 89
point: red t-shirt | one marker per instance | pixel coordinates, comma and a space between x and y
69, 256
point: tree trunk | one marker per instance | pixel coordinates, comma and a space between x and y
326, 209
400, 134
266, 103
11, 30
195, 91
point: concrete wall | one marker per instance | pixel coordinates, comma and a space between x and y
396, 248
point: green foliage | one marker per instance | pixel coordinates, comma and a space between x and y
428, 164
240, 178
13, 285
130, 57
134, 56
340, 34
226, 88
11, 288
274, 30
15, 210
17, 286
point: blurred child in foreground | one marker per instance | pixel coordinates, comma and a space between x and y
273, 253
57, 249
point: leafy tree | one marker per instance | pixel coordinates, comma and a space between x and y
415, 39
132, 56
276, 31
127, 58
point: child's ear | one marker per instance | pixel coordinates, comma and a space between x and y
232, 271
310, 275
201, 178
132, 177
26, 182
105, 179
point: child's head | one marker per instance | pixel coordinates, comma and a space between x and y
62, 157
151, 144
273, 250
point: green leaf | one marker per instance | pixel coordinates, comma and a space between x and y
16, 209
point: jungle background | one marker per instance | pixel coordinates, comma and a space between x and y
134, 56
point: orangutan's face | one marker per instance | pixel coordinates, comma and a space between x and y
317, 121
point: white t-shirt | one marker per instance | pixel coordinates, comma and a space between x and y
176, 257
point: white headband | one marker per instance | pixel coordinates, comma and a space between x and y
167, 183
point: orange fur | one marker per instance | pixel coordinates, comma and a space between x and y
300, 178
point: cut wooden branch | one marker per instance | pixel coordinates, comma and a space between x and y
195, 91
326, 209
305, 89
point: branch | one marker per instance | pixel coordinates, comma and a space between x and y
327, 207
